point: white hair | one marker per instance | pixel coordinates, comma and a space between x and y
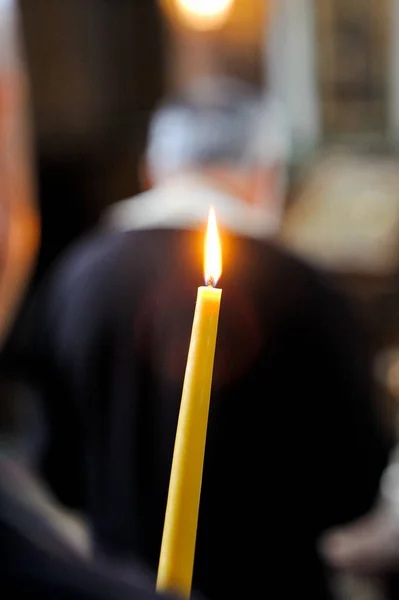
216, 121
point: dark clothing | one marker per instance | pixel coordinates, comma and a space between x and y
37, 563
292, 447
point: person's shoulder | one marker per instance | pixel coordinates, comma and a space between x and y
86, 257
99, 263
269, 250
299, 278
127, 214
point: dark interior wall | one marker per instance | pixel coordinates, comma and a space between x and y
96, 71
236, 48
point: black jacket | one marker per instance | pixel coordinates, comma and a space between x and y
293, 446
37, 562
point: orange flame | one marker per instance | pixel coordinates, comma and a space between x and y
213, 251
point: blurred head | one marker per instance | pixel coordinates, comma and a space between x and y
223, 128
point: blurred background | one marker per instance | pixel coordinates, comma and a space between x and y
97, 69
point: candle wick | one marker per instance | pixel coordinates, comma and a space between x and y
211, 282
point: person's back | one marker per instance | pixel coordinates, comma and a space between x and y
291, 448
292, 445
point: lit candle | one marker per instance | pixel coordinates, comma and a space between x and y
180, 528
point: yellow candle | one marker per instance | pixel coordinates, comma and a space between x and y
181, 518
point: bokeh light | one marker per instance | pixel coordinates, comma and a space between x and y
204, 14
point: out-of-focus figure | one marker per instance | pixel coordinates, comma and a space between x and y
371, 544
293, 446
41, 553
18, 243
220, 141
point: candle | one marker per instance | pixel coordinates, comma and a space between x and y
181, 518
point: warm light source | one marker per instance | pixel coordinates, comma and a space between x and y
204, 14
213, 251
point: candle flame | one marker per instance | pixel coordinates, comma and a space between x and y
213, 251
